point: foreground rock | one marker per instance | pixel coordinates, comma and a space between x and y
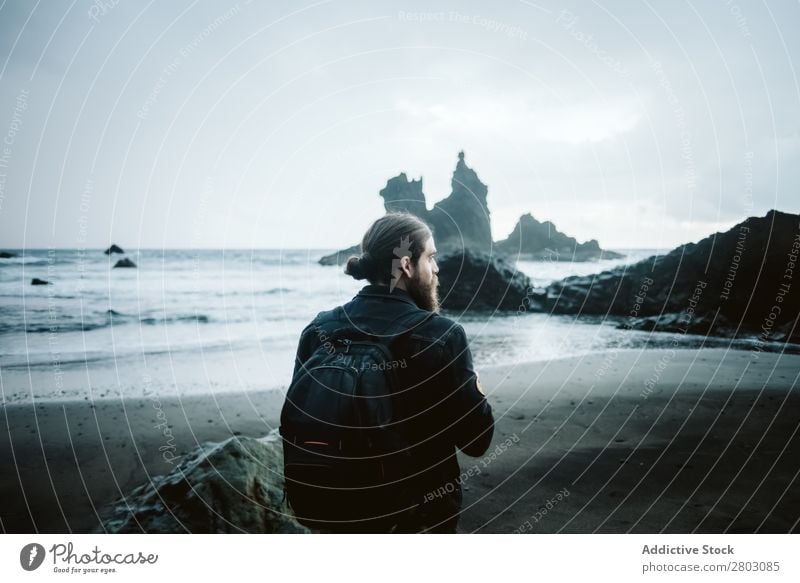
535, 241
743, 282
231, 487
124, 263
481, 282
114, 249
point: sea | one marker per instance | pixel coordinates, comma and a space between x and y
206, 321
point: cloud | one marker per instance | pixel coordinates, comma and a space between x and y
574, 124
584, 123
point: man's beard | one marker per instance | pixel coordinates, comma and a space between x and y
425, 295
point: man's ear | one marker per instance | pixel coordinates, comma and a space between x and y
406, 266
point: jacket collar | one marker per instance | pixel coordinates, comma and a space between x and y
382, 291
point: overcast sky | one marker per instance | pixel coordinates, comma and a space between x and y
205, 124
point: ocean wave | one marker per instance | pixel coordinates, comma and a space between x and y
199, 318
25, 260
98, 321
273, 291
45, 361
240, 293
20, 296
37, 260
58, 328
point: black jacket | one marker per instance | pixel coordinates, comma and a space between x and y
438, 399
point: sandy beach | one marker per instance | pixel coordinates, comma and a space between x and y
619, 441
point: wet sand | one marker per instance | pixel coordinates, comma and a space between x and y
628, 441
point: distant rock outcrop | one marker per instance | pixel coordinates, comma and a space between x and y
742, 282
114, 249
400, 194
481, 282
124, 262
535, 241
231, 487
341, 257
37, 281
461, 221
7, 255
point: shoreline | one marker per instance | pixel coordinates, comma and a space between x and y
110, 382
711, 446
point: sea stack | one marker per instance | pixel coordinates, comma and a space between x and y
534, 241
461, 221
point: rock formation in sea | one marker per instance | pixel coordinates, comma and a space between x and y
535, 241
231, 487
114, 249
400, 194
124, 262
37, 281
481, 282
476, 274
7, 255
340, 257
460, 221
744, 282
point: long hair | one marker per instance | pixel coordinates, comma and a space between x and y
389, 238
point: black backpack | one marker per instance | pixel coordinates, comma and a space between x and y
344, 458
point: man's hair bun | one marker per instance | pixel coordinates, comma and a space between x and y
355, 268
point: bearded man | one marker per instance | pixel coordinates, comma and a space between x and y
437, 399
